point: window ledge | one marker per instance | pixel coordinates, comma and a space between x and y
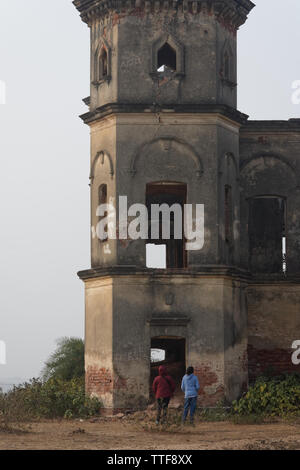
102, 80
163, 75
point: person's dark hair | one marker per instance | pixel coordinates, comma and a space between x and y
190, 370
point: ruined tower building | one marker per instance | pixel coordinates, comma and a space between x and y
165, 129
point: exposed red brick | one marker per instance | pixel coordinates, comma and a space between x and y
270, 361
98, 381
207, 378
101, 380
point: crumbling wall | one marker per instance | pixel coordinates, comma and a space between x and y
273, 325
270, 169
270, 166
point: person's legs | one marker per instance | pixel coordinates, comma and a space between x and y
186, 408
165, 404
193, 408
159, 407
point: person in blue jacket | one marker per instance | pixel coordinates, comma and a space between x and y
190, 386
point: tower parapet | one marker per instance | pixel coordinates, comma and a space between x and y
230, 13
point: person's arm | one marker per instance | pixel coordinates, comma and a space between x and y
182, 385
197, 383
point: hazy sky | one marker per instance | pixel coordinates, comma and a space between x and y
44, 151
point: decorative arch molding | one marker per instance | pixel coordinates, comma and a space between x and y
267, 155
228, 71
178, 48
226, 156
102, 155
98, 77
264, 155
167, 141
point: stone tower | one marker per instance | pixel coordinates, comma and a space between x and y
165, 128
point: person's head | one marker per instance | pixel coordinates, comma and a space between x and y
190, 370
162, 370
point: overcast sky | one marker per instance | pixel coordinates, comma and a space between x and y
44, 151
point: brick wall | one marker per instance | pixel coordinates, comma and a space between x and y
98, 380
270, 362
211, 386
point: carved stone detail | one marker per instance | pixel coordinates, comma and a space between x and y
231, 13
101, 156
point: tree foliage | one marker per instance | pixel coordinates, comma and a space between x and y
67, 361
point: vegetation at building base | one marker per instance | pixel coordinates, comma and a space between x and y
59, 393
54, 398
271, 396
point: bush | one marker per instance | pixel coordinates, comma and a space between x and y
13, 416
51, 399
277, 396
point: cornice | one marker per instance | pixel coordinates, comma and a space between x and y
193, 272
118, 108
231, 13
211, 271
269, 127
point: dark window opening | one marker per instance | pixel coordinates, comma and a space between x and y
267, 234
102, 199
174, 360
166, 58
103, 63
170, 194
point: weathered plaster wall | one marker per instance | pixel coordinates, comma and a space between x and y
99, 339
132, 41
207, 311
270, 165
189, 148
273, 325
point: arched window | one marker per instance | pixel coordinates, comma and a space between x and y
102, 199
165, 250
103, 194
166, 58
267, 234
103, 63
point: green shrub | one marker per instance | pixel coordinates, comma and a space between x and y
271, 396
13, 416
51, 399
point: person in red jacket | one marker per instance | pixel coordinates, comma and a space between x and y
163, 387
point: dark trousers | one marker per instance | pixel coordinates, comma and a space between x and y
162, 406
189, 406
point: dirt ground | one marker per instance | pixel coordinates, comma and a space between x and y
140, 432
